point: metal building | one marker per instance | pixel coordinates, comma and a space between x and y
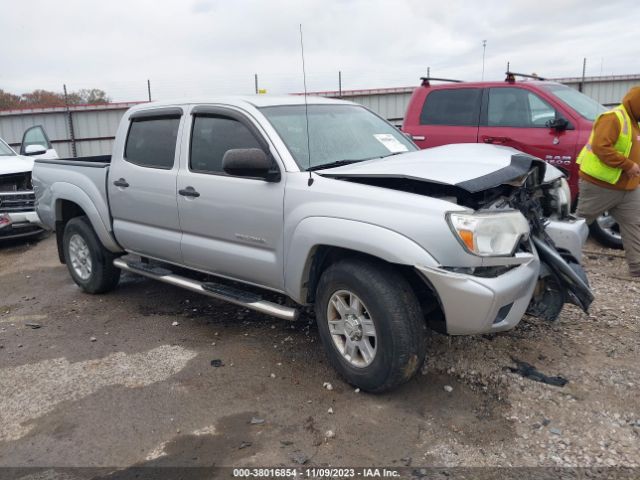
89, 129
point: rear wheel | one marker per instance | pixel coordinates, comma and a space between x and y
370, 324
89, 263
606, 231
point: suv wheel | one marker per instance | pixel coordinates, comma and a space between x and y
370, 324
89, 263
606, 231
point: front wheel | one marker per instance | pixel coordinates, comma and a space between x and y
89, 263
606, 231
370, 324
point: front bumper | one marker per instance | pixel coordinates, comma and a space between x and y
19, 224
569, 235
474, 305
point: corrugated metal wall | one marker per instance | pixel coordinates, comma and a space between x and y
606, 90
94, 127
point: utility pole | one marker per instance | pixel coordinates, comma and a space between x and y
256, 82
339, 83
484, 49
72, 135
584, 72
149, 89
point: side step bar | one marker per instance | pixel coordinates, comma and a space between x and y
214, 290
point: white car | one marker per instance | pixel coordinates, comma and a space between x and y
18, 217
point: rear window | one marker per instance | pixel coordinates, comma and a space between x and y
152, 142
454, 107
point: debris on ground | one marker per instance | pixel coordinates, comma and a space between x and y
327, 385
330, 411
216, 362
93, 339
33, 325
175, 324
273, 375
448, 388
244, 445
257, 421
529, 371
329, 434
357, 390
299, 457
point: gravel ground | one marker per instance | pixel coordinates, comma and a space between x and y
150, 375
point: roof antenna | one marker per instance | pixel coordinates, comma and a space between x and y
306, 108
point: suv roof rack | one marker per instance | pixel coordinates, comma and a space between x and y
426, 80
511, 76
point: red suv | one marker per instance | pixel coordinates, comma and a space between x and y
545, 119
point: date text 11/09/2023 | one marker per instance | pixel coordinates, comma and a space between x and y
315, 473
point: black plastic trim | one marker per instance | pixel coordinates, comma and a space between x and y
166, 112
521, 164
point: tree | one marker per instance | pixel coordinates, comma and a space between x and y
93, 96
46, 98
8, 100
42, 98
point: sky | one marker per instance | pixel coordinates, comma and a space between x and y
209, 47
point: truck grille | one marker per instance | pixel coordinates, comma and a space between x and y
16, 194
17, 202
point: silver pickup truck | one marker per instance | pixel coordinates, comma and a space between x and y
327, 204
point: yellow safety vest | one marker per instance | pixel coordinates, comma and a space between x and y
596, 168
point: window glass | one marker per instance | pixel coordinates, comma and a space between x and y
212, 136
152, 142
454, 107
35, 136
517, 107
585, 106
5, 150
336, 133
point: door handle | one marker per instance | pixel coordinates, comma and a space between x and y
121, 182
496, 140
189, 192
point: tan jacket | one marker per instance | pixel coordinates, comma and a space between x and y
605, 134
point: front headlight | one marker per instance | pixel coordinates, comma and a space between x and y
489, 234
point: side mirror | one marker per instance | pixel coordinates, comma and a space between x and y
35, 150
560, 124
249, 162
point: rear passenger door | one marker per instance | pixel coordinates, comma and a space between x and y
142, 185
519, 118
449, 116
231, 226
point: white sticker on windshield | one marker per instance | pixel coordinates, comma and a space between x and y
391, 143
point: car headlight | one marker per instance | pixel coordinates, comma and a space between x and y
489, 234
562, 197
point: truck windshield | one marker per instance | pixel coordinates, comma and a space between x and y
5, 150
585, 106
337, 134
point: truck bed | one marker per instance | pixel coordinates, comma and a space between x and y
82, 180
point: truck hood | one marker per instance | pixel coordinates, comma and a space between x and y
15, 164
473, 167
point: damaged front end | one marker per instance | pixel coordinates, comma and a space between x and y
525, 185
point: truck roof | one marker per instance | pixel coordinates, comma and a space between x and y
526, 83
245, 101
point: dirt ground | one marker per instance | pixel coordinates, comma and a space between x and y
128, 379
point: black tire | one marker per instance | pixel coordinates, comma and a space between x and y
103, 276
604, 237
396, 315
